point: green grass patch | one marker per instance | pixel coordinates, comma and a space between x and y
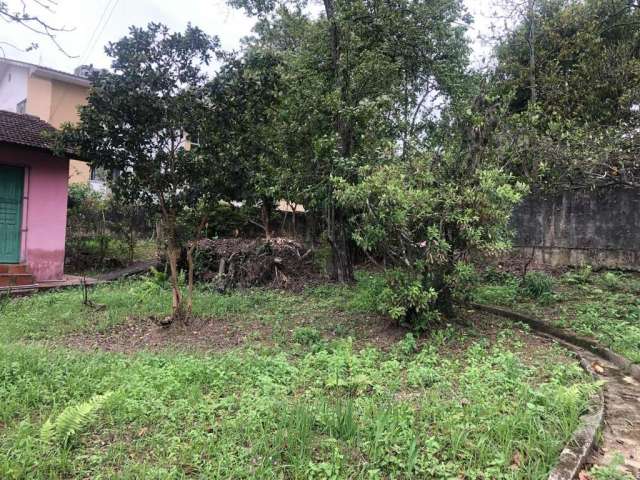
602, 305
303, 406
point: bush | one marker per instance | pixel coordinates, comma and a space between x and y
537, 285
580, 276
306, 336
408, 298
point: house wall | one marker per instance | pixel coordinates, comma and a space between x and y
13, 87
599, 228
44, 209
57, 102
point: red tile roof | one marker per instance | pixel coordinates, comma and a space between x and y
23, 129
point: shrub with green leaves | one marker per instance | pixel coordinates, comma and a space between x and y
537, 285
424, 220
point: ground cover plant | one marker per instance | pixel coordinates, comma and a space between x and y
314, 394
601, 305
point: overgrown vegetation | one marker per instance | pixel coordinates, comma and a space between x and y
103, 233
601, 305
317, 399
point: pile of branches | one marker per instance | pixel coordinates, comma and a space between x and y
241, 263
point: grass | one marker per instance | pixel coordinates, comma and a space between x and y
604, 306
307, 405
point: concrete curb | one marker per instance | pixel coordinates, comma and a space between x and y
575, 453
619, 361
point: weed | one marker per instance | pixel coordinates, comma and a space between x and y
537, 285
73, 419
428, 409
306, 336
611, 471
497, 294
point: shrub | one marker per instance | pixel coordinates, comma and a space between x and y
537, 285
611, 280
579, 276
306, 336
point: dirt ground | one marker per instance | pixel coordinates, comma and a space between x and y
216, 334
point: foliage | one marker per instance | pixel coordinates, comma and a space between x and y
600, 305
611, 471
579, 276
571, 70
355, 81
425, 220
102, 232
136, 122
505, 294
284, 410
72, 420
537, 285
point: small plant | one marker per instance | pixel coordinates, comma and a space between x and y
611, 280
408, 345
580, 276
72, 421
463, 279
611, 471
306, 336
537, 285
495, 275
497, 294
410, 300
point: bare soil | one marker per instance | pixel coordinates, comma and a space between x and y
139, 334
621, 433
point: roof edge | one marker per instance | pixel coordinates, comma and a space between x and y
49, 73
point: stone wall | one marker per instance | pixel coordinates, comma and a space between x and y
599, 228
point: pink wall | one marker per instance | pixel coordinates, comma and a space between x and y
44, 211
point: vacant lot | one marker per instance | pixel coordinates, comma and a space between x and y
274, 385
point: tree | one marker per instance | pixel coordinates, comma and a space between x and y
353, 78
580, 129
136, 122
249, 87
28, 16
429, 215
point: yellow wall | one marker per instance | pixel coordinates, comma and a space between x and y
65, 100
57, 102
39, 97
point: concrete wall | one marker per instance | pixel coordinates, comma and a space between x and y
599, 228
13, 87
44, 209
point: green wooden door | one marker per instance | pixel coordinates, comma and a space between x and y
11, 185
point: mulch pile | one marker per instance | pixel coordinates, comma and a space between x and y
241, 263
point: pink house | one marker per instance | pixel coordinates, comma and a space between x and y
33, 202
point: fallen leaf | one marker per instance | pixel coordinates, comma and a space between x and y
516, 461
142, 431
599, 369
583, 475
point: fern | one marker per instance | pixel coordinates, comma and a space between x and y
72, 420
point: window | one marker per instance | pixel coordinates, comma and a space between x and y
22, 106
